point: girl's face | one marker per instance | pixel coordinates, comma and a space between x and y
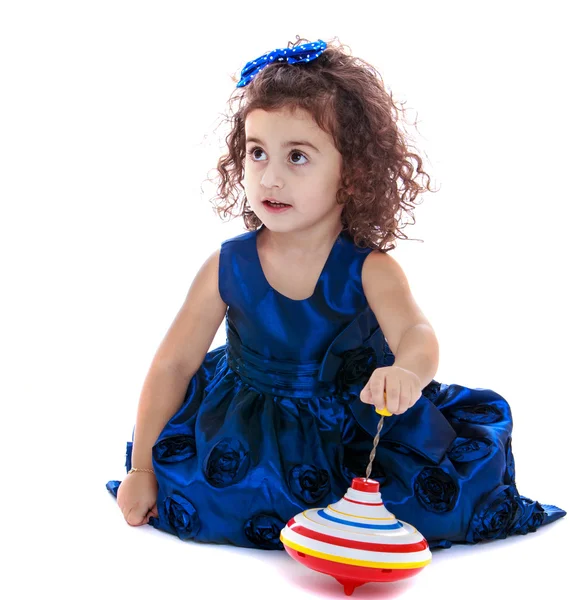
291, 160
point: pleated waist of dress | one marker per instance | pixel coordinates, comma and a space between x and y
342, 369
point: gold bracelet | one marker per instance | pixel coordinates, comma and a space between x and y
133, 470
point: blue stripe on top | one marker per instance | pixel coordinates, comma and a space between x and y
324, 515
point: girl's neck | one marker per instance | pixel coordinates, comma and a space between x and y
301, 243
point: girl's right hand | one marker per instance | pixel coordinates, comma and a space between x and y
137, 497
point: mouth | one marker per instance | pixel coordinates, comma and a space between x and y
273, 205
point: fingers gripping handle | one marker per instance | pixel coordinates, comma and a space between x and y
383, 411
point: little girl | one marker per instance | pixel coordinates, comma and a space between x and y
321, 328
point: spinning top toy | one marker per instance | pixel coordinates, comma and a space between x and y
357, 540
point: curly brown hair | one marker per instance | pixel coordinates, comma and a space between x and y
347, 99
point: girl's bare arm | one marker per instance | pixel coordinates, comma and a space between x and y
177, 359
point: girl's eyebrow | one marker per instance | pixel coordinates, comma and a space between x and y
285, 144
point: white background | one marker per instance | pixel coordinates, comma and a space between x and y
107, 117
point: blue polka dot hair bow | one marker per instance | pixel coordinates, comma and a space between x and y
298, 54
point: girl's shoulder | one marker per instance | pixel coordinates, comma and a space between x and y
382, 268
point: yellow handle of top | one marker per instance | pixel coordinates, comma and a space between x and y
383, 411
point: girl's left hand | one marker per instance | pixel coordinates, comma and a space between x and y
402, 388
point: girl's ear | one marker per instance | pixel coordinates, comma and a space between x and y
349, 188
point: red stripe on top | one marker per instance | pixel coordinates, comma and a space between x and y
365, 503
329, 539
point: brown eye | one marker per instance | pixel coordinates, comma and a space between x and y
296, 153
254, 150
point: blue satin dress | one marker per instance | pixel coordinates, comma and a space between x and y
272, 423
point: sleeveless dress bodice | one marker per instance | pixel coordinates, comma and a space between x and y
282, 328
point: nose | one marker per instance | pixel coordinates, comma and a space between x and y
271, 176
